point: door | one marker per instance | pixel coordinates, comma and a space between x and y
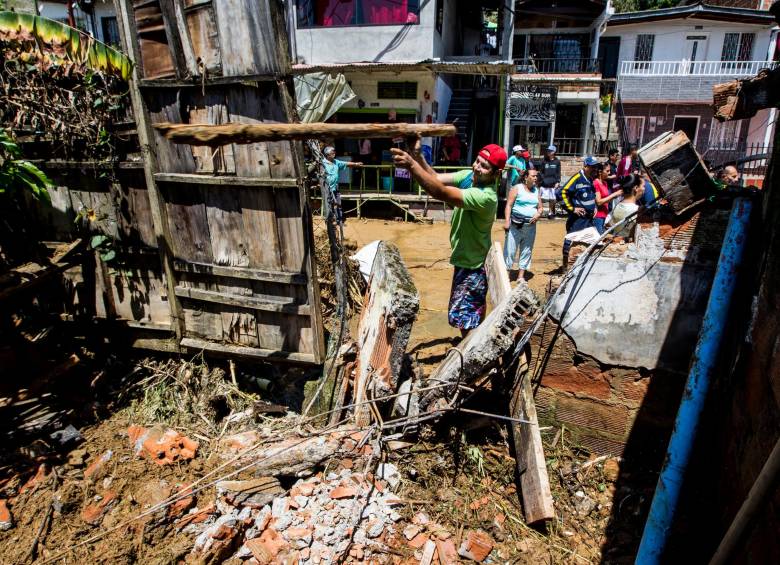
695, 50
688, 124
609, 50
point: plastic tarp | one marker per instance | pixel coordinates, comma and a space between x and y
320, 95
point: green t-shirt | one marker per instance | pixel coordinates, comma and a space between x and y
471, 224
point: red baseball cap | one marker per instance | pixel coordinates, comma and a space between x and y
494, 154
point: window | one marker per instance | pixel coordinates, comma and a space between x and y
335, 13
396, 90
110, 31
725, 135
643, 52
738, 47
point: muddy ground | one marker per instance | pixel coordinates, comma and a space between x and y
461, 474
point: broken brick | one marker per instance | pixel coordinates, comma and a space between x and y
178, 507
197, 516
267, 547
477, 546
447, 552
239, 442
6, 520
342, 492
97, 469
34, 481
164, 448
93, 513
418, 541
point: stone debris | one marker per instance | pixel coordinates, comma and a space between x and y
322, 519
162, 447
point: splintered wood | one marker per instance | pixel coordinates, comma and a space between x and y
389, 311
224, 134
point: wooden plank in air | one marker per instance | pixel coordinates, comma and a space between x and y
226, 180
202, 344
285, 306
239, 272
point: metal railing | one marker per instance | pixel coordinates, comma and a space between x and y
382, 178
573, 145
749, 158
694, 68
558, 65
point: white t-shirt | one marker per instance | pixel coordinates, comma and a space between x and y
621, 211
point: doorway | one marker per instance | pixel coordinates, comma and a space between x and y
688, 124
609, 50
695, 50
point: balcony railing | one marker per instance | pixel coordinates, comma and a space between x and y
568, 146
558, 65
694, 68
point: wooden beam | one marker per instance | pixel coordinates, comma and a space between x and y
498, 277
239, 272
223, 134
129, 35
251, 302
189, 178
250, 352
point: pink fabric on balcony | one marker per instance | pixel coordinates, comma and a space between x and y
387, 12
335, 12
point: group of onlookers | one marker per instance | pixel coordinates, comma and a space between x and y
600, 195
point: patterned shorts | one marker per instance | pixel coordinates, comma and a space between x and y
467, 298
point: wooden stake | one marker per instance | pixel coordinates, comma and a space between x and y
224, 134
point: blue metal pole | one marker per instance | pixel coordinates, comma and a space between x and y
667, 493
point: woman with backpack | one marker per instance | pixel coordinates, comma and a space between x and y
523, 208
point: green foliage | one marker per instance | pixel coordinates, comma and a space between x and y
637, 5
16, 174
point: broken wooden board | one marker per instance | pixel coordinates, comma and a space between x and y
389, 310
529, 453
527, 439
677, 170
498, 276
224, 134
480, 351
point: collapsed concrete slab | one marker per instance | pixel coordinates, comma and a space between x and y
390, 308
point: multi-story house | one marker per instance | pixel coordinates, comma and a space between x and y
668, 61
556, 81
408, 60
96, 17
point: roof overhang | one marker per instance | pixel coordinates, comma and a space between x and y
466, 67
697, 11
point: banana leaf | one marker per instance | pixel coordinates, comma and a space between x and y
62, 41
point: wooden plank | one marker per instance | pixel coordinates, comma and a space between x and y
239, 272
202, 28
289, 221
226, 227
266, 304
175, 43
210, 108
498, 277
129, 35
249, 42
189, 224
171, 157
197, 82
263, 182
531, 464
251, 352
259, 215
190, 57
208, 134
203, 320
247, 105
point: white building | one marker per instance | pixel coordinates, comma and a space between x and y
96, 17
668, 61
410, 60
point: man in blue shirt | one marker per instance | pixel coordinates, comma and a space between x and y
332, 168
579, 199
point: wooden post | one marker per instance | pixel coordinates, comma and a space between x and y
129, 36
498, 277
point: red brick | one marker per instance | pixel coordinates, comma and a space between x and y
98, 468
164, 448
634, 389
197, 517
267, 547
447, 552
342, 492
477, 546
607, 418
6, 520
418, 541
35, 481
93, 513
582, 380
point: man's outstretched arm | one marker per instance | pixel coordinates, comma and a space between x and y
430, 182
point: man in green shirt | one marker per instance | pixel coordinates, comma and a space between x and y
472, 194
516, 165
